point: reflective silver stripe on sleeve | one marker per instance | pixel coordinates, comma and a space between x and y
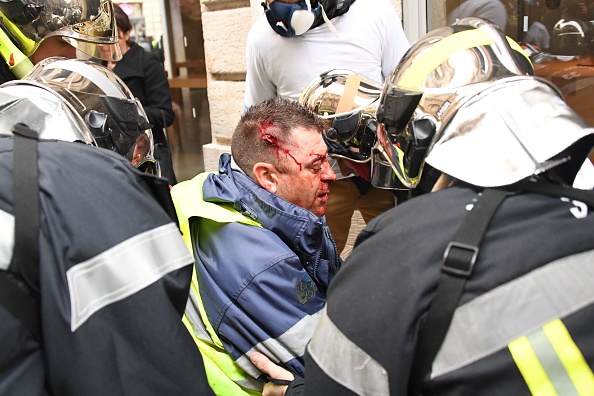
7, 239
199, 330
345, 362
251, 383
123, 270
193, 315
290, 345
488, 323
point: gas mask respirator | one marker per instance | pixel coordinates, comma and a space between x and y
291, 19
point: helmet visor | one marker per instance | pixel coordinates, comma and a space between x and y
400, 140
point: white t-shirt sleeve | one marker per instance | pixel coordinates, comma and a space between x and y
258, 86
394, 41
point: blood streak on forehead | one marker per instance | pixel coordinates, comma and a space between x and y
266, 132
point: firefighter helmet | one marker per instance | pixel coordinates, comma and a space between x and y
349, 102
88, 25
439, 82
116, 120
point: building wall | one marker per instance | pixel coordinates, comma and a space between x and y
226, 24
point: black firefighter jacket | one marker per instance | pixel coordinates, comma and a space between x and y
114, 279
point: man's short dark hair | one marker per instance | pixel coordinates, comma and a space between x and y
266, 128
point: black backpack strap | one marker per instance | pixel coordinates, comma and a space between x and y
555, 190
458, 264
14, 295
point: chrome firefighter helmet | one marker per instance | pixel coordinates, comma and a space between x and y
88, 25
421, 102
349, 102
115, 119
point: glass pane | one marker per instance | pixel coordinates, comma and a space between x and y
558, 35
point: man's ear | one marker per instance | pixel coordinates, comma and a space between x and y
266, 176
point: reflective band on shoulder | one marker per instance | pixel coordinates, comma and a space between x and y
124, 270
345, 362
490, 322
7, 239
288, 346
551, 363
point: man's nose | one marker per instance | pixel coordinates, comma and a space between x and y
327, 172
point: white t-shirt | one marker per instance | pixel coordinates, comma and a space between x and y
371, 42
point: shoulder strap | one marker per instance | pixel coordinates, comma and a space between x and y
25, 262
457, 266
459, 259
555, 190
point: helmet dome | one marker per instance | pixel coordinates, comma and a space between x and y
434, 80
88, 25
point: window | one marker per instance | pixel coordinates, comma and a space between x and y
558, 35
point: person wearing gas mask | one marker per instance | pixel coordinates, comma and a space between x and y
32, 30
93, 270
313, 37
481, 287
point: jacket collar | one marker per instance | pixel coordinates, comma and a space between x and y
299, 228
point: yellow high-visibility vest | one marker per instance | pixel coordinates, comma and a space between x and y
225, 377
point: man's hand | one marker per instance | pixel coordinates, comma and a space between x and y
266, 366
